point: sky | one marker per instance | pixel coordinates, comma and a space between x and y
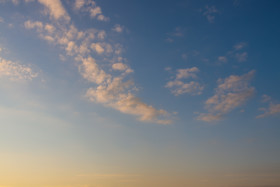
126, 93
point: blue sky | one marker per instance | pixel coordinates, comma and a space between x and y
139, 93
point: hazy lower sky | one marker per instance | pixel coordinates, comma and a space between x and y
139, 93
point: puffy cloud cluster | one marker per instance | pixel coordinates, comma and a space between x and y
178, 86
15, 71
209, 12
90, 6
272, 109
118, 28
106, 70
55, 9
231, 93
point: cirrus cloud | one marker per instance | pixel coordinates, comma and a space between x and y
231, 93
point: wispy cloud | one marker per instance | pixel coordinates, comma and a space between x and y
272, 110
239, 46
14, 71
111, 86
222, 59
90, 6
176, 33
241, 57
237, 53
179, 85
210, 12
118, 28
55, 9
231, 93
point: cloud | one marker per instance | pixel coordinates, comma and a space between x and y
90, 6
241, 57
237, 52
49, 28
79, 4
266, 98
209, 12
106, 71
118, 28
1, 20
121, 67
222, 59
113, 95
186, 73
240, 46
91, 72
179, 87
55, 9
272, 109
97, 47
33, 25
14, 71
177, 32
231, 93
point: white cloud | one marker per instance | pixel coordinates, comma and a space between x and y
266, 98
113, 95
110, 88
179, 87
209, 12
177, 32
118, 28
186, 73
272, 109
95, 11
55, 9
222, 59
237, 52
121, 67
102, 18
90, 6
15, 71
239, 46
91, 71
101, 35
231, 93
97, 47
79, 4
241, 57
33, 25
50, 28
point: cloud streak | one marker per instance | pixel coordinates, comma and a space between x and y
231, 93
99, 61
272, 110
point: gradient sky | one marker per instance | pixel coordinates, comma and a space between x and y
128, 93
